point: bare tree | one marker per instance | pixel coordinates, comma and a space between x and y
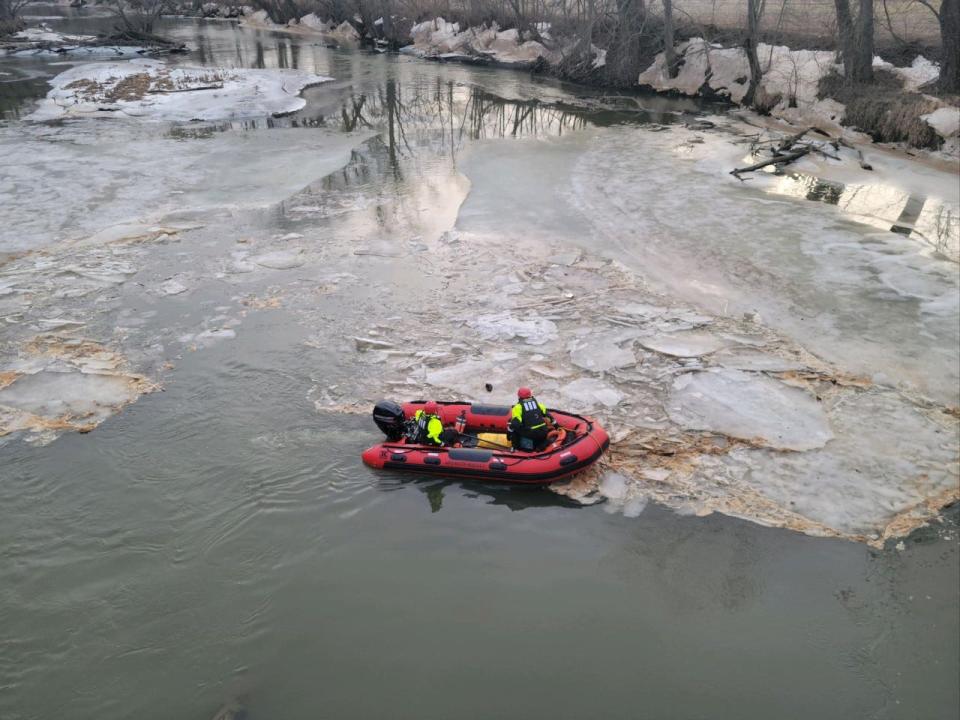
669, 53
136, 18
623, 55
754, 13
856, 40
949, 18
10, 20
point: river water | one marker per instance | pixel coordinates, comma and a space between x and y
220, 540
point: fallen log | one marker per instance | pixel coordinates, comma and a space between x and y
776, 160
790, 141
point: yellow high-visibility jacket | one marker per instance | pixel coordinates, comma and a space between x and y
526, 412
429, 428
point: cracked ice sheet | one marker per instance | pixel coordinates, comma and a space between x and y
875, 303
510, 269
722, 419
64, 383
886, 458
75, 179
747, 406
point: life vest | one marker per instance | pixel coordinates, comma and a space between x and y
428, 428
530, 413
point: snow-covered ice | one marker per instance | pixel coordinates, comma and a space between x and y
154, 90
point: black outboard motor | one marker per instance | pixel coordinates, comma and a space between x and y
388, 416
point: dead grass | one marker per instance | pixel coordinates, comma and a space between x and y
883, 109
132, 87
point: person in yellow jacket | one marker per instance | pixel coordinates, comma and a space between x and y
528, 422
427, 426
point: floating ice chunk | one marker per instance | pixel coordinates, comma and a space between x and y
567, 259
467, 378
363, 344
48, 324
587, 393
640, 309
280, 259
209, 337
749, 407
751, 360
69, 394
503, 326
617, 489
614, 486
634, 506
889, 457
172, 287
684, 344
547, 370
602, 356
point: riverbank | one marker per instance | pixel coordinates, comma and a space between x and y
796, 87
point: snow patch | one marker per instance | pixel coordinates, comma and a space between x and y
920, 72
945, 121
152, 90
444, 40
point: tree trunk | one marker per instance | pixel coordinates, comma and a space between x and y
754, 11
623, 55
668, 51
856, 40
863, 61
950, 36
845, 31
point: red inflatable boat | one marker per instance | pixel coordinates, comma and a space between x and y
575, 444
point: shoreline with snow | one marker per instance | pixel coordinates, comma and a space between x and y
45, 42
790, 83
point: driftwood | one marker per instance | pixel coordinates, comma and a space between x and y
790, 141
215, 86
781, 159
152, 44
788, 150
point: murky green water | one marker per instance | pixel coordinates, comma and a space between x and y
220, 539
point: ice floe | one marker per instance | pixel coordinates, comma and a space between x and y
684, 344
504, 326
749, 407
64, 383
153, 90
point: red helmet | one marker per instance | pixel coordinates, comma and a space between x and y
431, 408
524, 393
